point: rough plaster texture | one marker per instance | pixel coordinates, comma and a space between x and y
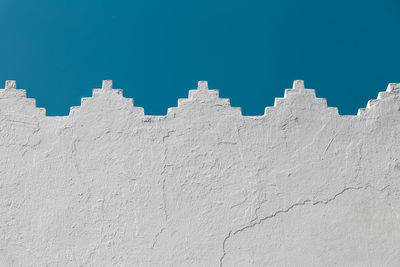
202, 186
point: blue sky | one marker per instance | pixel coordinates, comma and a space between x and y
156, 50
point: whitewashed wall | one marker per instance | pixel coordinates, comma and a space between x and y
201, 186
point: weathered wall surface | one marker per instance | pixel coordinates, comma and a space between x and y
202, 186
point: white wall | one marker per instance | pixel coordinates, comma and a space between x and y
201, 186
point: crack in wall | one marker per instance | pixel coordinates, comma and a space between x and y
223, 248
302, 203
330, 142
74, 157
156, 237
164, 199
164, 177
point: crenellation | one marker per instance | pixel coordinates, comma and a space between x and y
10, 84
15, 100
386, 102
298, 84
393, 88
107, 85
360, 111
382, 95
203, 92
84, 99
279, 100
299, 95
202, 85
298, 88
299, 92
10, 90
107, 98
372, 102
181, 101
333, 110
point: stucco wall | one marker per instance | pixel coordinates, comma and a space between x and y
201, 186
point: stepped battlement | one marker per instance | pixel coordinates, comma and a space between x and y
298, 95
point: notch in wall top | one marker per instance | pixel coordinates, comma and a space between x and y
10, 89
107, 85
202, 85
203, 92
393, 87
114, 99
10, 84
298, 84
299, 88
302, 97
203, 95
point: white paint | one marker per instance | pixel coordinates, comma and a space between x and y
201, 186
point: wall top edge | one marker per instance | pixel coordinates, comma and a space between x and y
298, 88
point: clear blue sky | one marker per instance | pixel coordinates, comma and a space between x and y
156, 49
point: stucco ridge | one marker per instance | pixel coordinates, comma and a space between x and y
204, 95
